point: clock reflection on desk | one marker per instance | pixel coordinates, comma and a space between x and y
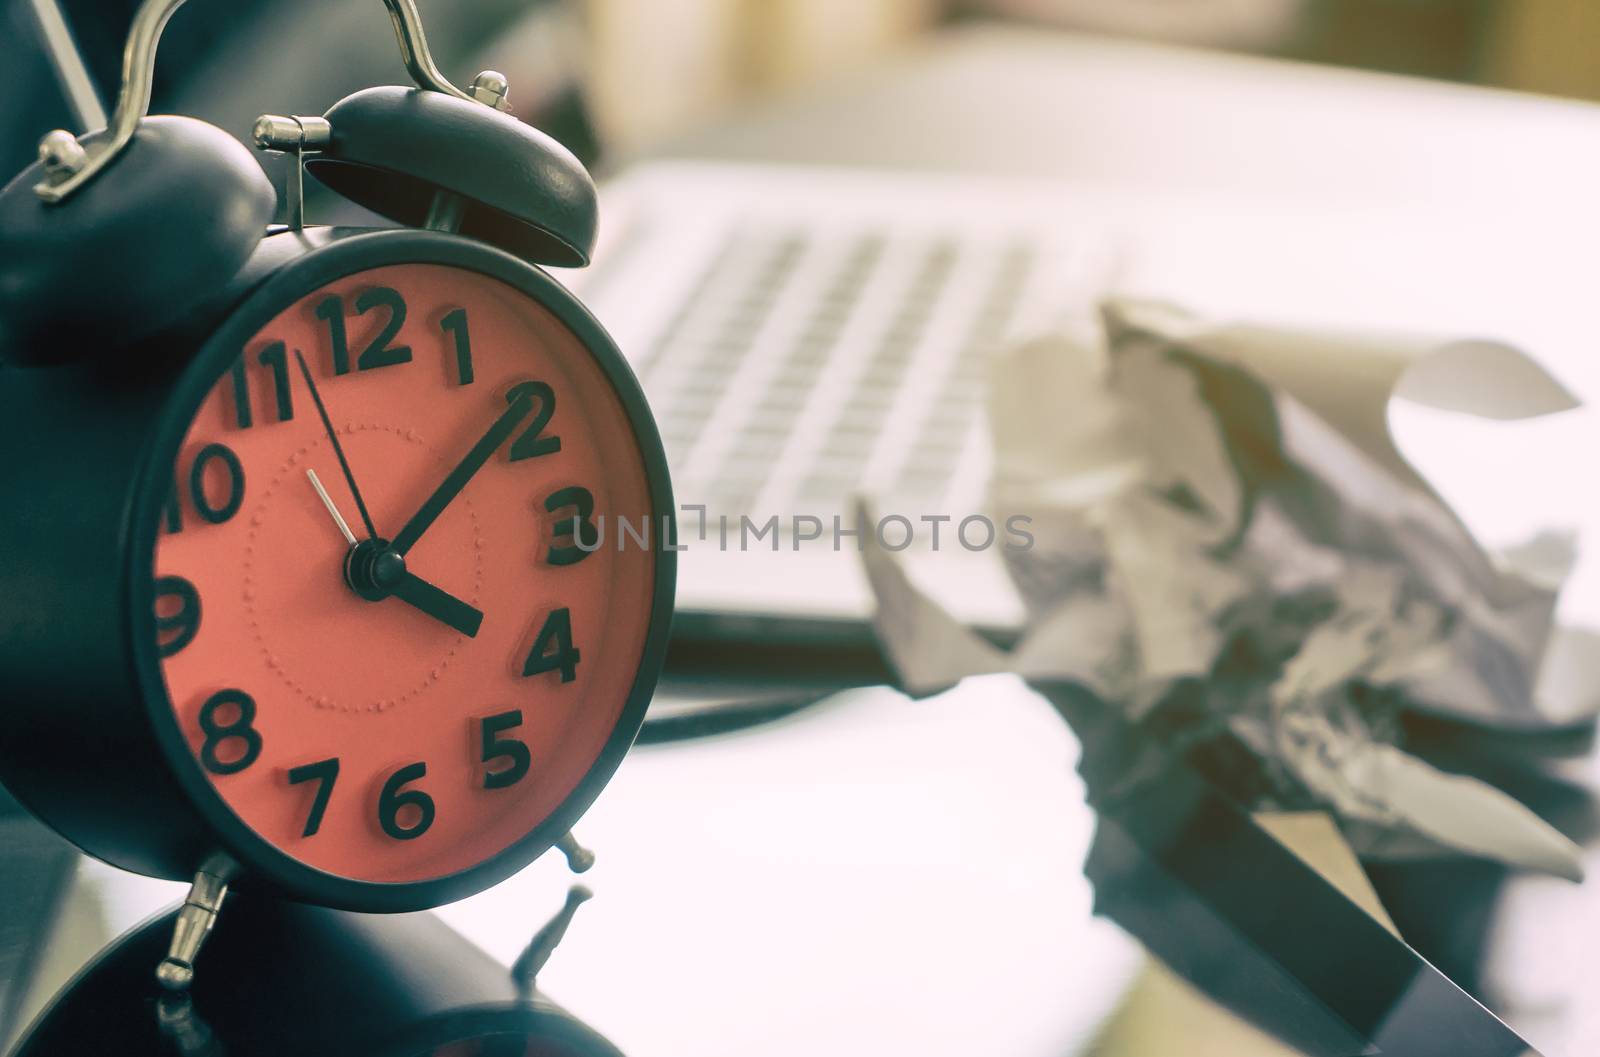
286, 978
871, 875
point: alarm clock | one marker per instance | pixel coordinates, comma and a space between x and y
306, 578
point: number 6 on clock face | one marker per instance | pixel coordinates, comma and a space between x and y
418, 703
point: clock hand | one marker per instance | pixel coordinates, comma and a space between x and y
458, 478
410, 588
350, 478
441, 606
327, 501
407, 586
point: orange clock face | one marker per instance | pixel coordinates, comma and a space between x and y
410, 704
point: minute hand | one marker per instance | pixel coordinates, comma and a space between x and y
452, 485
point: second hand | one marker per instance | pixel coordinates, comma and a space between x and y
327, 501
350, 478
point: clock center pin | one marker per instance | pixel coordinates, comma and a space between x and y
373, 568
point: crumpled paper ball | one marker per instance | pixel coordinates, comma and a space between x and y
1228, 545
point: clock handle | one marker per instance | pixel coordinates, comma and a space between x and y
68, 163
414, 49
489, 88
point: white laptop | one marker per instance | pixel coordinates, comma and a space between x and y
805, 336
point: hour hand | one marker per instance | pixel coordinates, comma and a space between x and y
440, 605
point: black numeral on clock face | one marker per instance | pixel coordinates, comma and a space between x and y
331, 311
455, 325
578, 527
553, 650
177, 614
507, 761
275, 358
324, 773
395, 798
237, 732
496, 748
216, 513
214, 506
380, 352
531, 444
241, 395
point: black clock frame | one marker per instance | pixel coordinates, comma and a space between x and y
89, 455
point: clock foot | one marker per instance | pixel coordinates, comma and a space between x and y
194, 921
525, 970
579, 858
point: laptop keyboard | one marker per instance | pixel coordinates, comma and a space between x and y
801, 366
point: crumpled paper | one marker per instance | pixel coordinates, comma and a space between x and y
1228, 544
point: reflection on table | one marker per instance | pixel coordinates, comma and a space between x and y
881, 875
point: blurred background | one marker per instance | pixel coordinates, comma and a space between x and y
658, 68
662, 66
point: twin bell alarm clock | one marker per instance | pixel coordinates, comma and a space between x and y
301, 581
